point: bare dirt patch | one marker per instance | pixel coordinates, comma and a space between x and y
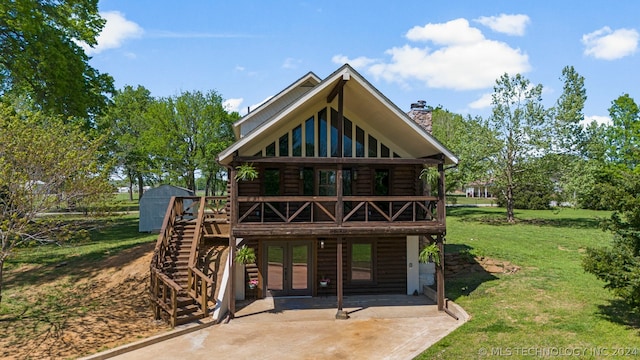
458, 264
84, 309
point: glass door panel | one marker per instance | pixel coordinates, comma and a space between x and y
275, 268
289, 268
300, 267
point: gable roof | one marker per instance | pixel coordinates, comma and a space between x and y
275, 104
360, 97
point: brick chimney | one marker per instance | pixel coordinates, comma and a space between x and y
421, 114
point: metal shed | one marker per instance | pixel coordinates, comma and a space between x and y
154, 203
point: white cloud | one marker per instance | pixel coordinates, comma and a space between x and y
465, 59
291, 63
600, 120
357, 63
514, 25
607, 44
115, 32
232, 105
482, 102
453, 32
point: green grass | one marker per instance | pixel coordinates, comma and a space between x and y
108, 236
551, 304
463, 200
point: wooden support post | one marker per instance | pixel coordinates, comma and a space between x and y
233, 220
440, 273
442, 208
341, 314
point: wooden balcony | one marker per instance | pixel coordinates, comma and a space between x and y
281, 216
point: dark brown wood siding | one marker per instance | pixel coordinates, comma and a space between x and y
390, 273
404, 180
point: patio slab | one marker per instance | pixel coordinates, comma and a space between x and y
381, 327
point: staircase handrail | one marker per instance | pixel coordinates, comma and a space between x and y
165, 233
197, 281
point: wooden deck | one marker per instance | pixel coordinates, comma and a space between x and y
282, 216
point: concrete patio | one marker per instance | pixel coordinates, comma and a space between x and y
380, 326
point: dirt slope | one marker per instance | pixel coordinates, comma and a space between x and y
76, 315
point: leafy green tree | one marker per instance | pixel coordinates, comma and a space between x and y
187, 132
568, 114
534, 188
608, 150
41, 60
43, 163
619, 265
471, 140
519, 122
624, 133
125, 121
617, 187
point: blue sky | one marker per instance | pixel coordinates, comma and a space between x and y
448, 53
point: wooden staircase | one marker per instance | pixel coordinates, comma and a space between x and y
180, 290
176, 267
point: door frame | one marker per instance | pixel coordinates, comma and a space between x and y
287, 246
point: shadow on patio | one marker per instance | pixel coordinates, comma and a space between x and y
325, 308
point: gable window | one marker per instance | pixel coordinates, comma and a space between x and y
373, 147
334, 133
347, 138
271, 149
284, 145
322, 133
309, 137
359, 142
320, 137
296, 141
384, 151
361, 261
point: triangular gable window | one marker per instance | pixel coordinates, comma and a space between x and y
317, 136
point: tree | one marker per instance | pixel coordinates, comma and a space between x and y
619, 265
518, 121
471, 140
43, 163
618, 188
187, 132
567, 128
125, 122
624, 133
41, 60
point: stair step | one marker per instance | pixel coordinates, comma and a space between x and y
189, 318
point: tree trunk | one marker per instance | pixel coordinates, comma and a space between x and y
191, 180
130, 189
140, 186
510, 204
207, 187
1, 270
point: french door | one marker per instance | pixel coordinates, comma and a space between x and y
289, 268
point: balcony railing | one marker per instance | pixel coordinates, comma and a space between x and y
325, 209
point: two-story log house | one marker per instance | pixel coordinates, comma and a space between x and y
338, 196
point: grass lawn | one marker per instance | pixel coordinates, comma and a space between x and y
463, 200
551, 307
